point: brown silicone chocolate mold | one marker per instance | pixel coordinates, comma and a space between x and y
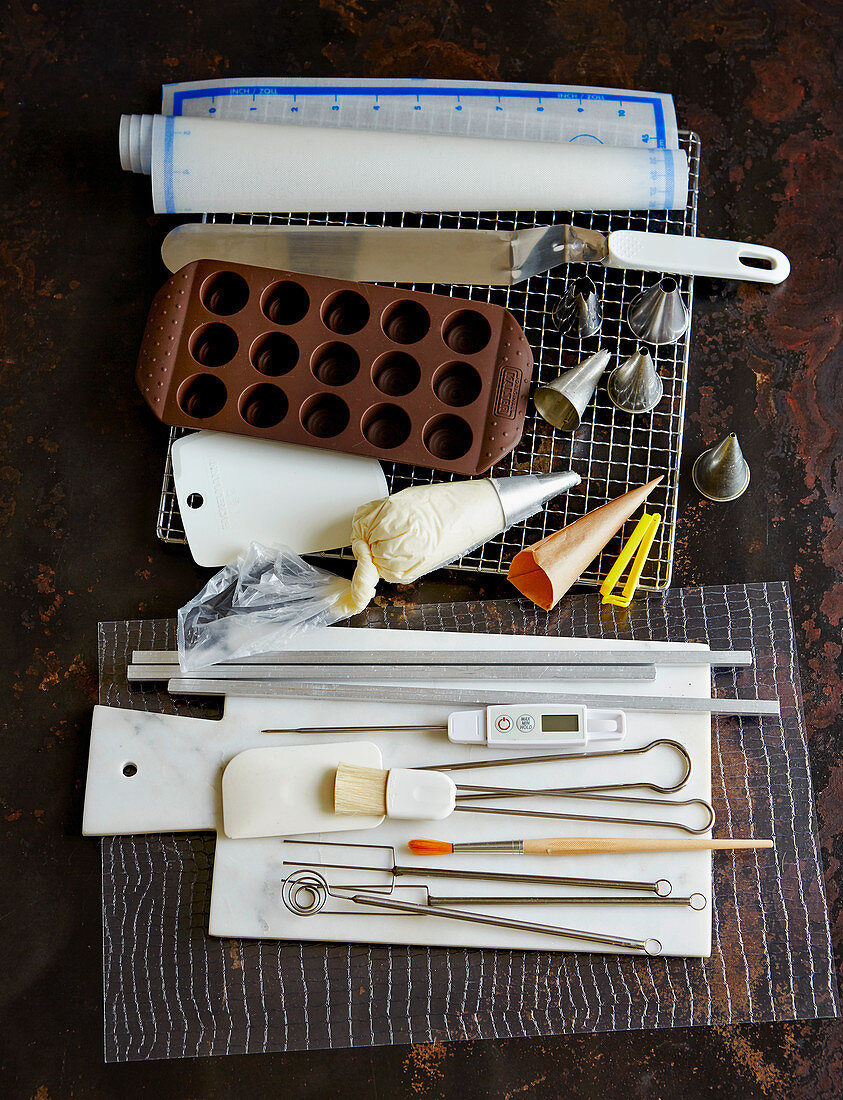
408, 377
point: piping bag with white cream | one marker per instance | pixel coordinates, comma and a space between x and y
268, 596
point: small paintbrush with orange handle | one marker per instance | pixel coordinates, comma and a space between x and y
580, 845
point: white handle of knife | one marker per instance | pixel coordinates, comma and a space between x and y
679, 255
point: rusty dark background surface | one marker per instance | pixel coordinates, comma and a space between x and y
80, 460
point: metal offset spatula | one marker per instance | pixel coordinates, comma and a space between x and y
479, 257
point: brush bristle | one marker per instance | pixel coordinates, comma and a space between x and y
360, 790
423, 847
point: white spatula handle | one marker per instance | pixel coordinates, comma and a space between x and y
697, 256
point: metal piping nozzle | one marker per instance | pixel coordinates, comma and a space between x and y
523, 494
563, 401
634, 386
579, 311
658, 315
721, 473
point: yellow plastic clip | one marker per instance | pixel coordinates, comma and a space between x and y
642, 538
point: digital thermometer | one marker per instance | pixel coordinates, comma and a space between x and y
534, 724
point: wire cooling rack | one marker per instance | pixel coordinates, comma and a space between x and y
612, 451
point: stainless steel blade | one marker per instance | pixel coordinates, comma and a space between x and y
482, 257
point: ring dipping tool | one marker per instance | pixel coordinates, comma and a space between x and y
305, 894
302, 892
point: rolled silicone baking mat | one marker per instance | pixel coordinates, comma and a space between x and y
202, 165
498, 108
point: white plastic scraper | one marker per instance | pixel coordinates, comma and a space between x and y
233, 491
289, 790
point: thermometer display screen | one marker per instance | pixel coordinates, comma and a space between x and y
560, 723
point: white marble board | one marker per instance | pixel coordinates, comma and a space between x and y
176, 787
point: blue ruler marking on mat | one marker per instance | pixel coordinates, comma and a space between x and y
435, 93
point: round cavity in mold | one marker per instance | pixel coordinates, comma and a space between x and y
386, 426
285, 303
224, 293
324, 415
405, 322
201, 396
213, 345
335, 364
345, 312
457, 384
262, 405
396, 373
195, 500
447, 437
274, 353
466, 332
130, 769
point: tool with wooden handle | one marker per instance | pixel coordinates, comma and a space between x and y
582, 845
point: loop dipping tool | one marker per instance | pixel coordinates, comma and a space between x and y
306, 893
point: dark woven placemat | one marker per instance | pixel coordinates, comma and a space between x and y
171, 991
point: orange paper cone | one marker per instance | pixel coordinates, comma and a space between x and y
545, 571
